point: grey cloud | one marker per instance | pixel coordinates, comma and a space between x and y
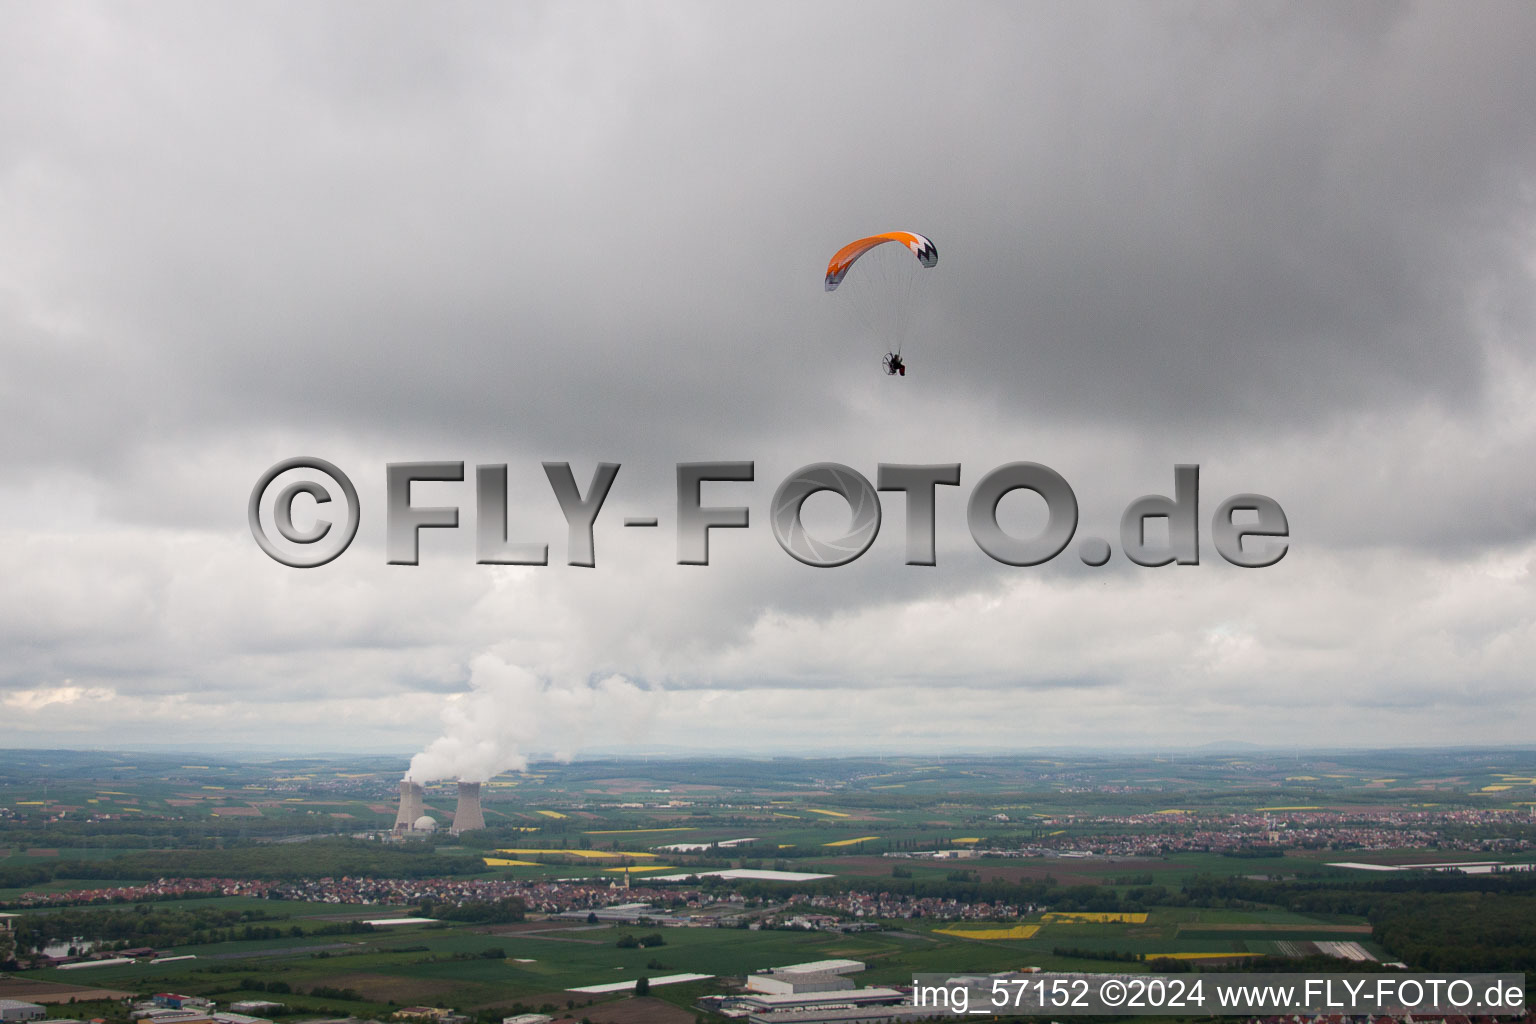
1292, 244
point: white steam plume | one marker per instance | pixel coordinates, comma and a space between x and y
508, 710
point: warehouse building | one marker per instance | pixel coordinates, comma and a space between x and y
819, 1000
821, 967
794, 982
15, 1009
621, 913
846, 1015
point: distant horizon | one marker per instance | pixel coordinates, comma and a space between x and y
279, 753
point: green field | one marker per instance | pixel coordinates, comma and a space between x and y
66, 818
417, 963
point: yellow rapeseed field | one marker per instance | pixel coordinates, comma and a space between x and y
1196, 956
1018, 931
1096, 918
590, 854
851, 842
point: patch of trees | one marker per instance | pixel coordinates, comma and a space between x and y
644, 942
1115, 955
143, 925
502, 911
331, 992
1168, 965
258, 985
323, 857
1472, 931
1254, 851
1440, 921
494, 953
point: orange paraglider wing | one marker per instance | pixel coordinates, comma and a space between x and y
926, 252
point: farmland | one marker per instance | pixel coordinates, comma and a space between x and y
265, 874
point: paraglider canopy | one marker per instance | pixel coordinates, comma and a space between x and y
837, 268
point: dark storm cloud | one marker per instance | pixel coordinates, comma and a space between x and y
1208, 214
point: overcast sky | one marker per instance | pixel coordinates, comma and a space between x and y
1294, 244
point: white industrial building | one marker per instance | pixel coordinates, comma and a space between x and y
819, 1000
15, 1009
81, 965
845, 1015
795, 982
751, 874
619, 913
820, 967
724, 844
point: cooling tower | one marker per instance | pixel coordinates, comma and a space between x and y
468, 817
410, 805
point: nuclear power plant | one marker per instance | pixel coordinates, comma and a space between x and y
411, 797
412, 818
467, 818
